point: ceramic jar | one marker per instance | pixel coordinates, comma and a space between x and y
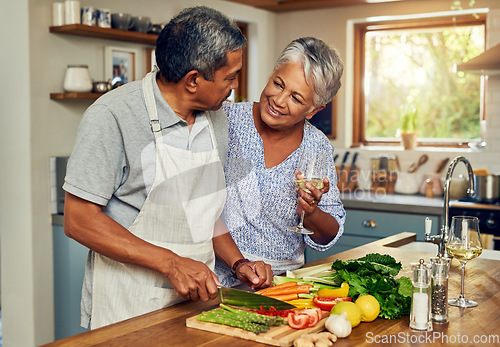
77, 79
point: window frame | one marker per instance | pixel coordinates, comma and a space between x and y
360, 29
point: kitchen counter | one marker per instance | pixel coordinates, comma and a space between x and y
418, 204
167, 327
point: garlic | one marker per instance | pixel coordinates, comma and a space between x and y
339, 325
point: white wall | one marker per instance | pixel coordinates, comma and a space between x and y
33, 128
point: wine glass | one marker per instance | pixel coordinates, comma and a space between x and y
464, 244
310, 169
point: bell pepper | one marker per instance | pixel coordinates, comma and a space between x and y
343, 291
326, 303
302, 303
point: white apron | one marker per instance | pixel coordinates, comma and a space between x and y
179, 214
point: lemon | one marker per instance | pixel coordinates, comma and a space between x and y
351, 309
369, 307
343, 291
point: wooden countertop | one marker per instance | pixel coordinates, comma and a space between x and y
166, 327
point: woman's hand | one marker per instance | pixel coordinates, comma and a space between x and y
255, 274
309, 201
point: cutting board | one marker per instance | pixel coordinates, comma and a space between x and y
281, 335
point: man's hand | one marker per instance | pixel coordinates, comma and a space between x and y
255, 274
192, 279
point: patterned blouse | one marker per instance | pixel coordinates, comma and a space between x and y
261, 202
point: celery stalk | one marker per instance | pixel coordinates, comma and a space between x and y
310, 271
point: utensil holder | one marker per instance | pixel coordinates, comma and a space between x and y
346, 183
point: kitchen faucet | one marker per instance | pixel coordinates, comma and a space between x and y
442, 238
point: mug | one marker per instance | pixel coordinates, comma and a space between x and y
72, 12
122, 21
58, 13
104, 18
142, 24
89, 16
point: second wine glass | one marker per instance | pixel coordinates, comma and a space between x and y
464, 244
310, 169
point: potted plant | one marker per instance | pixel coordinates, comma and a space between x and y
409, 127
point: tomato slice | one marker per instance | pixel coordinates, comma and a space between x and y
326, 303
298, 321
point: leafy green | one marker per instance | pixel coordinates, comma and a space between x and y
374, 274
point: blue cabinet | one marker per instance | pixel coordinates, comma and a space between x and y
363, 226
69, 268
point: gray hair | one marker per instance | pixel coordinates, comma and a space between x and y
322, 66
198, 38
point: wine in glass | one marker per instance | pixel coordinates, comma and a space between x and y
310, 169
464, 244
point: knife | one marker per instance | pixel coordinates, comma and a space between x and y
343, 163
352, 169
236, 297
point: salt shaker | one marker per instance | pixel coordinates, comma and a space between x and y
420, 315
439, 284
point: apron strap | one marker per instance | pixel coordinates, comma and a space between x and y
149, 98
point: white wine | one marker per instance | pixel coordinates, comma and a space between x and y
462, 254
316, 182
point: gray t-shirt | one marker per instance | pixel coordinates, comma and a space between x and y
113, 161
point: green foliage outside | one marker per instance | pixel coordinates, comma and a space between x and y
415, 70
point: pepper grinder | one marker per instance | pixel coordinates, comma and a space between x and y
439, 283
420, 315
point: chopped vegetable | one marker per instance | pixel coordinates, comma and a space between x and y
284, 297
310, 270
302, 303
338, 292
273, 312
246, 320
296, 289
327, 303
297, 321
304, 318
277, 287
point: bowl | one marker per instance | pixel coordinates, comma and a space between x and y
101, 87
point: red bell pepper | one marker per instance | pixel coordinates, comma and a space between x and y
326, 303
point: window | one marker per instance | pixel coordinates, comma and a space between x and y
407, 67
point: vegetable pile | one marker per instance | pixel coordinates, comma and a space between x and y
374, 274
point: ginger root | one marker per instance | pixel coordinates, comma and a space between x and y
323, 339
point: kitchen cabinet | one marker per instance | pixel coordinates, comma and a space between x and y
69, 268
363, 226
99, 33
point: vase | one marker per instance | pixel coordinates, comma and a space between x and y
409, 140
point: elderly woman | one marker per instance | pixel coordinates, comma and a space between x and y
266, 140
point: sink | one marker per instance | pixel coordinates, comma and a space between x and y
432, 248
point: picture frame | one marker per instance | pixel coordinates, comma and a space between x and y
150, 59
326, 120
120, 64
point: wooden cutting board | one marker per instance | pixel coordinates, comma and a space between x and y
281, 335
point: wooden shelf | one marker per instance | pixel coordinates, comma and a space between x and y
73, 96
104, 33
